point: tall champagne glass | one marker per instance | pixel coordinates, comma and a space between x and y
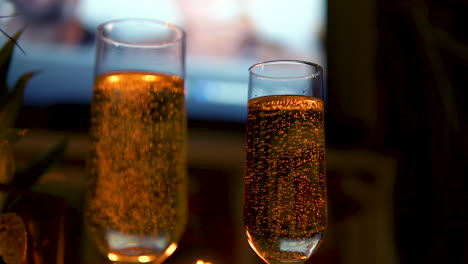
285, 208
136, 203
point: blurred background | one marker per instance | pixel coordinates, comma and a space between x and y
396, 121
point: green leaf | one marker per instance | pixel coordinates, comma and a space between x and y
5, 60
11, 104
7, 168
7, 162
29, 176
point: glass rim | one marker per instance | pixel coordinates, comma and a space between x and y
180, 33
285, 62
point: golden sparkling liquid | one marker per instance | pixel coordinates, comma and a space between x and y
285, 211
136, 200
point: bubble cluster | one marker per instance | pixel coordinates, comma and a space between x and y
285, 211
137, 162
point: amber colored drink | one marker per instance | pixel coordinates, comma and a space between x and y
136, 206
285, 211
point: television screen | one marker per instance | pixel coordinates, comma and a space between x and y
224, 38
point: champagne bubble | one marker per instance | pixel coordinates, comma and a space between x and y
285, 196
137, 205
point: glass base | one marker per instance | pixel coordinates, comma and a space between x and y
121, 258
117, 258
280, 250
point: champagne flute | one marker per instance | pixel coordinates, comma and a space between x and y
136, 201
285, 207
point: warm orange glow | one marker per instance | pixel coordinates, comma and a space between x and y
172, 247
149, 78
112, 257
202, 262
113, 78
144, 259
